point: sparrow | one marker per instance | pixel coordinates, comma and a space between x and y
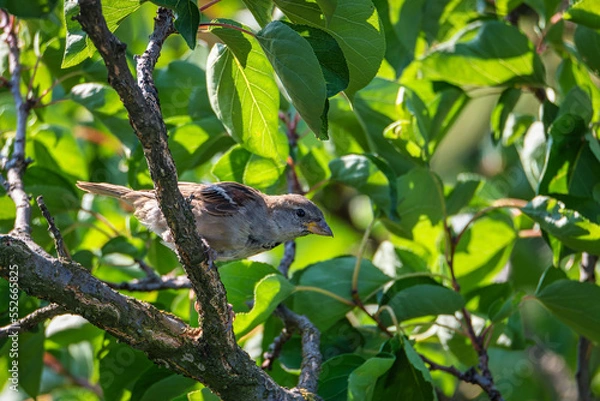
235, 220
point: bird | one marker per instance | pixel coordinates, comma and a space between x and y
235, 220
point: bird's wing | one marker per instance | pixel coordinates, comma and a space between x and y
221, 199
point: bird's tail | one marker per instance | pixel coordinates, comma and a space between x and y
101, 188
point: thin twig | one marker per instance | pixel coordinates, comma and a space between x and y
33, 319
289, 255
150, 272
275, 348
208, 5
53, 363
103, 219
59, 242
485, 380
17, 164
311, 355
229, 26
163, 27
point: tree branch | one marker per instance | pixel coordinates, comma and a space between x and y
15, 167
164, 338
311, 355
33, 319
59, 243
485, 380
153, 284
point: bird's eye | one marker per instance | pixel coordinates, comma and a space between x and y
300, 212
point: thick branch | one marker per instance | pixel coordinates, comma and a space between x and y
33, 319
163, 337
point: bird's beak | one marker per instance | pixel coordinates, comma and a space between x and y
320, 228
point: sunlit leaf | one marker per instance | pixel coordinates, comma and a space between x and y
269, 292
568, 226
494, 54
356, 28
584, 12
300, 72
244, 95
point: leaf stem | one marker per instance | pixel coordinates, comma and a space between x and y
325, 292
224, 25
208, 5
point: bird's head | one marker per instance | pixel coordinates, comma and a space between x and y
296, 216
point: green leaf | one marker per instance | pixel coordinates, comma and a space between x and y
269, 292
78, 45
375, 109
261, 10
496, 54
335, 276
158, 383
263, 173
55, 148
231, 166
549, 276
574, 303
240, 278
31, 354
418, 208
59, 194
360, 172
115, 358
104, 103
242, 166
333, 380
568, 226
195, 143
187, 18
408, 378
28, 9
465, 188
402, 21
584, 12
327, 7
244, 95
124, 246
483, 250
506, 104
516, 128
330, 56
587, 42
503, 7
424, 300
361, 383
181, 87
355, 26
300, 72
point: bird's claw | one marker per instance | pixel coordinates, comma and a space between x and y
211, 255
